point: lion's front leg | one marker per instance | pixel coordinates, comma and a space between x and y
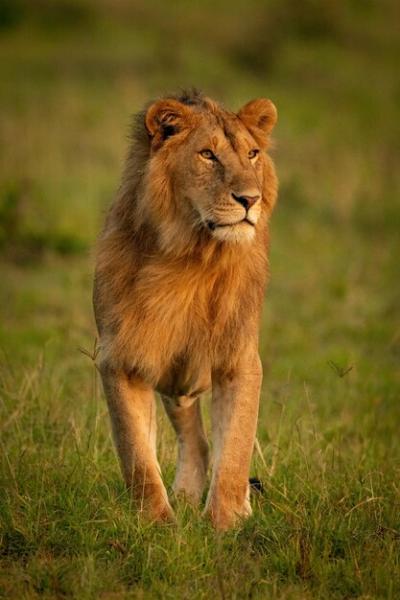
234, 421
132, 410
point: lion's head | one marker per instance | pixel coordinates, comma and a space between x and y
206, 170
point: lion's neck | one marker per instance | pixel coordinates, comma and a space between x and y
180, 301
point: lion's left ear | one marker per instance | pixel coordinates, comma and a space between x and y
259, 115
164, 118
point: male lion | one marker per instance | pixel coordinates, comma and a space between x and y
181, 269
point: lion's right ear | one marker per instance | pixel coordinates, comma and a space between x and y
165, 118
259, 116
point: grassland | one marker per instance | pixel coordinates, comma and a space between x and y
328, 524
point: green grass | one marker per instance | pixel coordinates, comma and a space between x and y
328, 524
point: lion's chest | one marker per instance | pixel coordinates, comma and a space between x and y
172, 328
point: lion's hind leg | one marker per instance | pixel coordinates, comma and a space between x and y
132, 410
191, 473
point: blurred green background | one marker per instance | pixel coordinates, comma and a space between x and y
72, 72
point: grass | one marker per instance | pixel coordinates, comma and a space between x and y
327, 525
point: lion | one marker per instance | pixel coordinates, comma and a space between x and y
181, 268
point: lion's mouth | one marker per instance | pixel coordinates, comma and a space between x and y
212, 225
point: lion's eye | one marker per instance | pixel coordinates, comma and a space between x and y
253, 153
208, 154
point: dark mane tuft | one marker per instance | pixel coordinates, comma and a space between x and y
191, 97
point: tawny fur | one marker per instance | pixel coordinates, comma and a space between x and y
180, 276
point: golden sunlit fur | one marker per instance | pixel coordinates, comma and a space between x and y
180, 275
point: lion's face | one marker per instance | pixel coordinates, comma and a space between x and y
215, 162
220, 175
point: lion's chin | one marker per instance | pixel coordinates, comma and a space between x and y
238, 233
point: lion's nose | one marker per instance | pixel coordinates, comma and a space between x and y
246, 201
